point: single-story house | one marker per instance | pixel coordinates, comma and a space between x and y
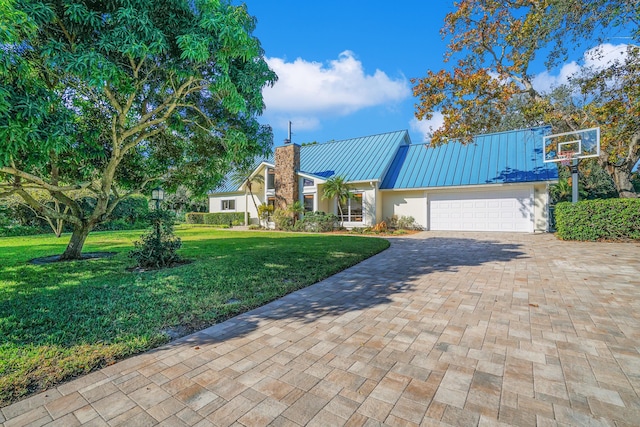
498, 182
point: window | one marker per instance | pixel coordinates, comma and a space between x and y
308, 203
307, 182
352, 210
271, 175
271, 201
228, 205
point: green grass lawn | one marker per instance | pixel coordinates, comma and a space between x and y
60, 320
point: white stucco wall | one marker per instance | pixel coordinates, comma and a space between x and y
215, 202
242, 202
541, 208
405, 203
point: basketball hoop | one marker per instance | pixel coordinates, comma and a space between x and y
565, 158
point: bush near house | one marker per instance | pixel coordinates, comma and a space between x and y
607, 219
402, 223
217, 218
318, 222
283, 220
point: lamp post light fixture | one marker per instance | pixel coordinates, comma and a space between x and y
157, 194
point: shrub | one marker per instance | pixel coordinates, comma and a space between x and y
282, 219
132, 209
360, 230
265, 211
158, 247
607, 219
194, 218
407, 223
318, 222
402, 223
217, 218
120, 224
22, 230
380, 227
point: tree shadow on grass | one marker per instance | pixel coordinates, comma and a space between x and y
372, 282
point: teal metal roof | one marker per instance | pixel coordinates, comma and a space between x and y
358, 159
228, 186
505, 157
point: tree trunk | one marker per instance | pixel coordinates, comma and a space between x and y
254, 204
622, 181
74, 248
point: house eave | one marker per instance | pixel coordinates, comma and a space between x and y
226, 193
473, 186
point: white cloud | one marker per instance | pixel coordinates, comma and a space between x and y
299, 123
426, 127
311, 90
546, 81
598, 58
605, 55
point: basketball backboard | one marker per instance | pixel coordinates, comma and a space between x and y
578, 144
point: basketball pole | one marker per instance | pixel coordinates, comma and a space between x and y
574, 181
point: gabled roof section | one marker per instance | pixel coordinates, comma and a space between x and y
357, 159
497, 158
229, 186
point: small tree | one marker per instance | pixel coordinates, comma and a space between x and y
295, 209
158, 247
264, 213
243, 176
336, 187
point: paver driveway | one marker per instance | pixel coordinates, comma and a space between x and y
441, 329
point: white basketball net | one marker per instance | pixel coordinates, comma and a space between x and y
565, 158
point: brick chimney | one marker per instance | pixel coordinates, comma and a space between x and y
286, 177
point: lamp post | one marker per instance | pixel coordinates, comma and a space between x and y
157, 195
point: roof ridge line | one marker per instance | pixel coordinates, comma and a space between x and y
357, 137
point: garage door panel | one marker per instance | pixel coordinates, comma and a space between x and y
499, 210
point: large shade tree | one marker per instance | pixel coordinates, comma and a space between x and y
492, 47
114, 97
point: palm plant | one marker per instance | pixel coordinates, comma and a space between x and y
243, 176
337, 187
562, 191
295, 209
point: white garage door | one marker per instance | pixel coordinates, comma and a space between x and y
495, 210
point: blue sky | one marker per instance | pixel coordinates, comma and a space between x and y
344, 67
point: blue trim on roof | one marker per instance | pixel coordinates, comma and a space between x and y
498, 158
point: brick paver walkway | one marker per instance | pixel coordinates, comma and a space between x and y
461, 329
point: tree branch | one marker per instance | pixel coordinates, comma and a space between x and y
40, 182
112, 99
46, 211
145, 135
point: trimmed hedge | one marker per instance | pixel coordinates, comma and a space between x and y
604, 219
217, 218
